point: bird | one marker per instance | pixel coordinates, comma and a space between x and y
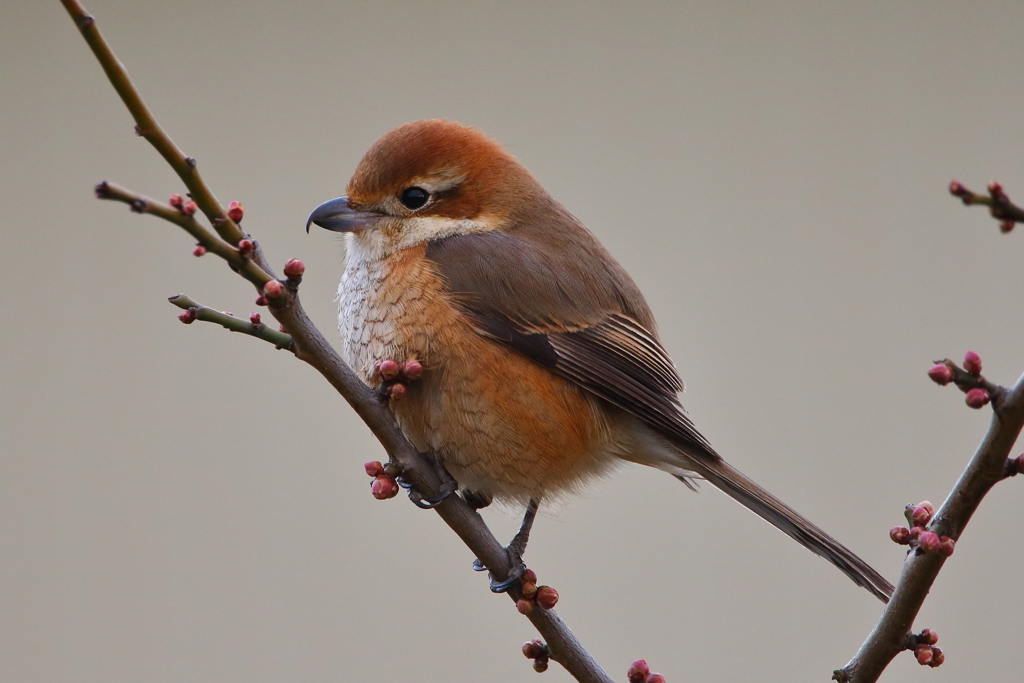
539, 365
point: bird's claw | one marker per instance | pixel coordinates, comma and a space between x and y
518, 567
448, 485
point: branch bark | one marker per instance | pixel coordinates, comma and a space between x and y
986, 469
311, 347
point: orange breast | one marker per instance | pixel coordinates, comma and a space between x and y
502, 424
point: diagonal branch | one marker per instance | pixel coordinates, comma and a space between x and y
987, 467
311, 347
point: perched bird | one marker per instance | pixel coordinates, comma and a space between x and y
541, 363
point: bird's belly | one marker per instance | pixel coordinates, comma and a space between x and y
502, 425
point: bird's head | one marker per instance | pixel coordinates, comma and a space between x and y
428, 180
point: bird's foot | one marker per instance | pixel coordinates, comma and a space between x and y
394, 377
448, 485
514, 551
476, 499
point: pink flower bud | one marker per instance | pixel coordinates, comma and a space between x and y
924, 654
540, 665
655, 678
977, 398
412, 369
397, 391
199, 250
374, 468
921, 516
547, 597
529, 576
1007, 226
900, 534
261, 300
529, 591
995, 189
235, 212
189, 209
282, 328
928, 637
255, 319
273, 289
532, 649
638, 672
941, 374
188, 317
388, 369
245, 247
972, 363
915, 532
383, 487
946, 546
927, 505
524, 606
176, 201
294, 269
1019, 463
938, 657
928, 541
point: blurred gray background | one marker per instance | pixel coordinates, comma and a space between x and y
183, 504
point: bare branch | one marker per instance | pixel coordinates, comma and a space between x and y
987, 467
999, 205
195, 311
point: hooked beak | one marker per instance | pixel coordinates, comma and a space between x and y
336, 215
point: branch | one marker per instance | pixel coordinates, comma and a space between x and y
311, 347
892, 633
999, 205
255, 327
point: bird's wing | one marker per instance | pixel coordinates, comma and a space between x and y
580, 320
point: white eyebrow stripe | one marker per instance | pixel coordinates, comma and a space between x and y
439, 182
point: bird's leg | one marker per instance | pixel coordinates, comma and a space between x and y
448, 484
515, 551
395, 377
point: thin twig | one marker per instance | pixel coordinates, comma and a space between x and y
310, 346
987, 467
260, 330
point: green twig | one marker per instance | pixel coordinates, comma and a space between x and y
259, 330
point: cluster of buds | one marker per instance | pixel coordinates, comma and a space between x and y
235, 211
918, 536
383, 485
545, 597
925, 651
394, 378
188, 208
945, 372
999, 204
538, 651
639, 672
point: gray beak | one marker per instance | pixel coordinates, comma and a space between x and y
336, 215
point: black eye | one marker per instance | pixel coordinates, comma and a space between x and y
414, 197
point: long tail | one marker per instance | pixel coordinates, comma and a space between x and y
789, 521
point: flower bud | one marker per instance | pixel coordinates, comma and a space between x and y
655, 678
927, 505
261, 300
245, 247
924, 654
529, 576
977, 398
915, 532
235, 212
547, 597
188, 317
928, 541
900, 534
921, 516
255, 319
388, 369
946, 546
294, 269
525, 606
938, 657
529, 591
638, 672
199, 250
1019, 463
928, 637
995, 189
540, 665
1007, 226
189, 209
397, 391
176, 201
374, 468
412, 369
941, 374
532, 649
383, 487
273, 289
972, 363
